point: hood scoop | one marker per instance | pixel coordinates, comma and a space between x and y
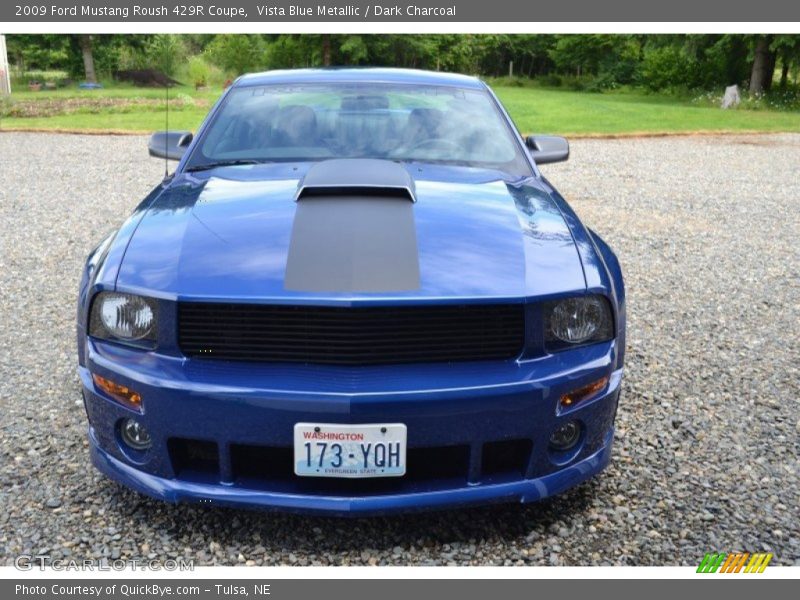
354, 229
357, 177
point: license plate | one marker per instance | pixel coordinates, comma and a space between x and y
354, 451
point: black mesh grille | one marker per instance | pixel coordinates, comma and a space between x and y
351, 336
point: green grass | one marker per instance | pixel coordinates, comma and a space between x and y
566, 112
533, 109
140, 121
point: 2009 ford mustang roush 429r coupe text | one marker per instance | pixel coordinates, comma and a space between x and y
355, 294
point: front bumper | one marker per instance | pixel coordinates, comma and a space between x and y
528, 490
488, 424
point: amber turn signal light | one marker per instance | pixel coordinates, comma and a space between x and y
119, 392
583, 393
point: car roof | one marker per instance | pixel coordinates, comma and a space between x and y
366, 75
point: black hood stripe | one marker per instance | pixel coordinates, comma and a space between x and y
353, 243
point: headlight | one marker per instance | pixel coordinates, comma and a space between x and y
123, 317
579, 320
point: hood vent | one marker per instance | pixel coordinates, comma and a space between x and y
357, 177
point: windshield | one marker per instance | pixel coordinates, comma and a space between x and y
312, 122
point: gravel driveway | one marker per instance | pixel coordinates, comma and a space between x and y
706, 457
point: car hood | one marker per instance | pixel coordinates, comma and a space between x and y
240, 234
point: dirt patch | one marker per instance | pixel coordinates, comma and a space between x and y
51, 107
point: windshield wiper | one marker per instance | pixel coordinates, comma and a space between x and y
223, 163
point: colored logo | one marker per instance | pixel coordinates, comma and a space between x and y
735, 563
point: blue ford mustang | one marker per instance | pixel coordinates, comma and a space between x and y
356, 294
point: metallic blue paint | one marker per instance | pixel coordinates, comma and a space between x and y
224, 235
523, 491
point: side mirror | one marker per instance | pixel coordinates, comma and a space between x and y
169, 144
547, 148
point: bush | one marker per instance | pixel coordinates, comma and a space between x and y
551, 80
506, 81
236, 53
5, 106
601, 83
22, 79
199, 71
130, 58
165, 52
667, 67
577, 84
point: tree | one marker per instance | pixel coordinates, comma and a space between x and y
326, 49
38, 51
583, 54
104, 50
353, 50
722, 60
88, 58
596, 61
787, 47
763, 65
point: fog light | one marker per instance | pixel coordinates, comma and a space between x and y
135, 435
583, 393
566, 436
119, 392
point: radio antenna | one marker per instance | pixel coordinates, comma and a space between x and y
166, 133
